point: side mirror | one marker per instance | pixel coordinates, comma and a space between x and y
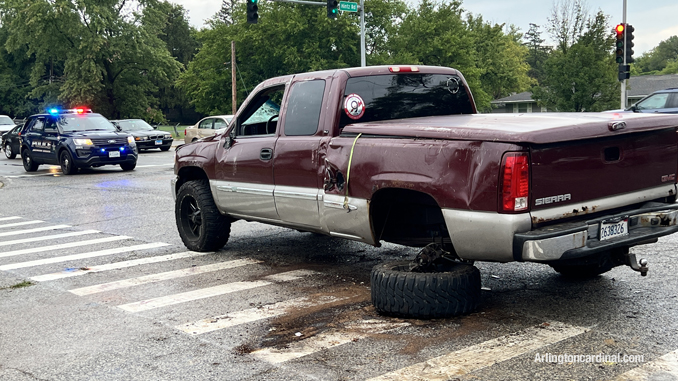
155, 127
118, 128
230, 139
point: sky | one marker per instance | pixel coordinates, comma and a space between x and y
654, 20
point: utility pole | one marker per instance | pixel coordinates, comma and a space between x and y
233, 92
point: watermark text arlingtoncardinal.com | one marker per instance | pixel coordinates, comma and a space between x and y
599, 358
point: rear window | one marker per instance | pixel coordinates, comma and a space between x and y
400, 96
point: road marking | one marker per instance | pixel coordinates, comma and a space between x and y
170, 165
152, 278
20, 224
326, 340
35, 230
254, 314
9, 218
663, 368
485, 354
228, 288
117, 265
63, 246
91, 254
48, 237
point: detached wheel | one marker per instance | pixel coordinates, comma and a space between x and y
66, 162
128, 166
27, 159
454, 289
200, 225
9, 153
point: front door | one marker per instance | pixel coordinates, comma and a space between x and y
244, 175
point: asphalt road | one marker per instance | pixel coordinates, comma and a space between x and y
112, 294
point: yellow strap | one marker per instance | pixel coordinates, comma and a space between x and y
348, 172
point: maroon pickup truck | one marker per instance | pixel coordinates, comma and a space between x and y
400, 154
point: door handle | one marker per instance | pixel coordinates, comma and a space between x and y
266, 154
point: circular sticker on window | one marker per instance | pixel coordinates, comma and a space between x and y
354, 106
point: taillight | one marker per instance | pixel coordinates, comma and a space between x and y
515, 182
184, 132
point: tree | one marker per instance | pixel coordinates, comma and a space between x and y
581, 74
658, 58
288, 39
112, 57
537, 52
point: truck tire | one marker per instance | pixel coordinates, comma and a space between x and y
200, 225
452, 290
589, 267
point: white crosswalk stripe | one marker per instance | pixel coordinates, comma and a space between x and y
485, 354
92, 254
63, 246
664, 368
14, 224
254, 314
228, 288
34, 230
152, 278
48, 237
117, 265
9, 218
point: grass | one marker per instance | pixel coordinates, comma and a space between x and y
23, 284
170, 129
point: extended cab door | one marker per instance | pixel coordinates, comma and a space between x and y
296, 169
244, 169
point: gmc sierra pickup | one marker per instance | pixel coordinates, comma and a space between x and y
400, 154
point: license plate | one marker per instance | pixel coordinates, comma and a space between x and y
158, 142
609, 230
114, 154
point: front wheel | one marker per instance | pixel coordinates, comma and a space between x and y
453, 289
29, 164
165, 148
9, 152
66, 162
128, 166
200, 225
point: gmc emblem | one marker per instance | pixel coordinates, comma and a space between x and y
670, 177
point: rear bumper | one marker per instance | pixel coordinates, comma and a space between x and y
576, 240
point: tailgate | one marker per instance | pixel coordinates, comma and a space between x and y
583, 176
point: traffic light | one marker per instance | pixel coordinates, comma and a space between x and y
619, 43
332, 8
252, 11
628, 45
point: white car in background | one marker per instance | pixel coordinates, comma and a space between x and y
207, 127
6, 124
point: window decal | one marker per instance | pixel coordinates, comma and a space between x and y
354, 106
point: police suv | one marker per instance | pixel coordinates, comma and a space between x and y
75, 138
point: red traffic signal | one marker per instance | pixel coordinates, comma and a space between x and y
619, 29
619, 43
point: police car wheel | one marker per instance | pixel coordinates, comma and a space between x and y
9, 153
66, 162
201, 226
29, 164
128, 166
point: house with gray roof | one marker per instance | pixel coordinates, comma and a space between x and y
638, 87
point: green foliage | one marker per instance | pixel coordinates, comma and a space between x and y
567, 86
107, 54
660, 58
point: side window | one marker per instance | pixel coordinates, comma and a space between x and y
260, 117
219, 123
206, 124
50, 126
654, 102
38, 125
303, 108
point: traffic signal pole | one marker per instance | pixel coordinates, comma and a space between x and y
623, 82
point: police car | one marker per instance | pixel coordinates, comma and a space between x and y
75, 138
